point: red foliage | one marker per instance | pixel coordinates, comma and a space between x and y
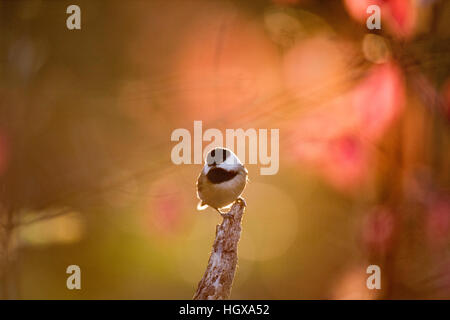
378, 230
438, 221
336, 140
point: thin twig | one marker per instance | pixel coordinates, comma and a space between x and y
45, 217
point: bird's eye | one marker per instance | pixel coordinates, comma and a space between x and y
217, 156
225, 154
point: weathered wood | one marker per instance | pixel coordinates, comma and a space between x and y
218, 278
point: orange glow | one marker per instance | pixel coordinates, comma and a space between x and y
352, 285
344, 131
313, 69
225, 64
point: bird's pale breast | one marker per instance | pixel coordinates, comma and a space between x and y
218, 195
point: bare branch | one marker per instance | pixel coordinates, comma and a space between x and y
45, 217
218, 278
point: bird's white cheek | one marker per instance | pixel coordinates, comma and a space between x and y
228, 167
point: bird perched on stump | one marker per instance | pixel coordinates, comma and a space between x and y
222, 180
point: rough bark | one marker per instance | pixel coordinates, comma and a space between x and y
218, 278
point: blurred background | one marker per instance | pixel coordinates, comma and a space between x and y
86, 118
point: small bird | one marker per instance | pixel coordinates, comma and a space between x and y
222, 180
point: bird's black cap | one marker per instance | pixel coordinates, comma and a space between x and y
217, 156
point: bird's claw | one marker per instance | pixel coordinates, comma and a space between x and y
226, 215
242, 201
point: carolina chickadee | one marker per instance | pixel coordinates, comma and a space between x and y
221, 181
